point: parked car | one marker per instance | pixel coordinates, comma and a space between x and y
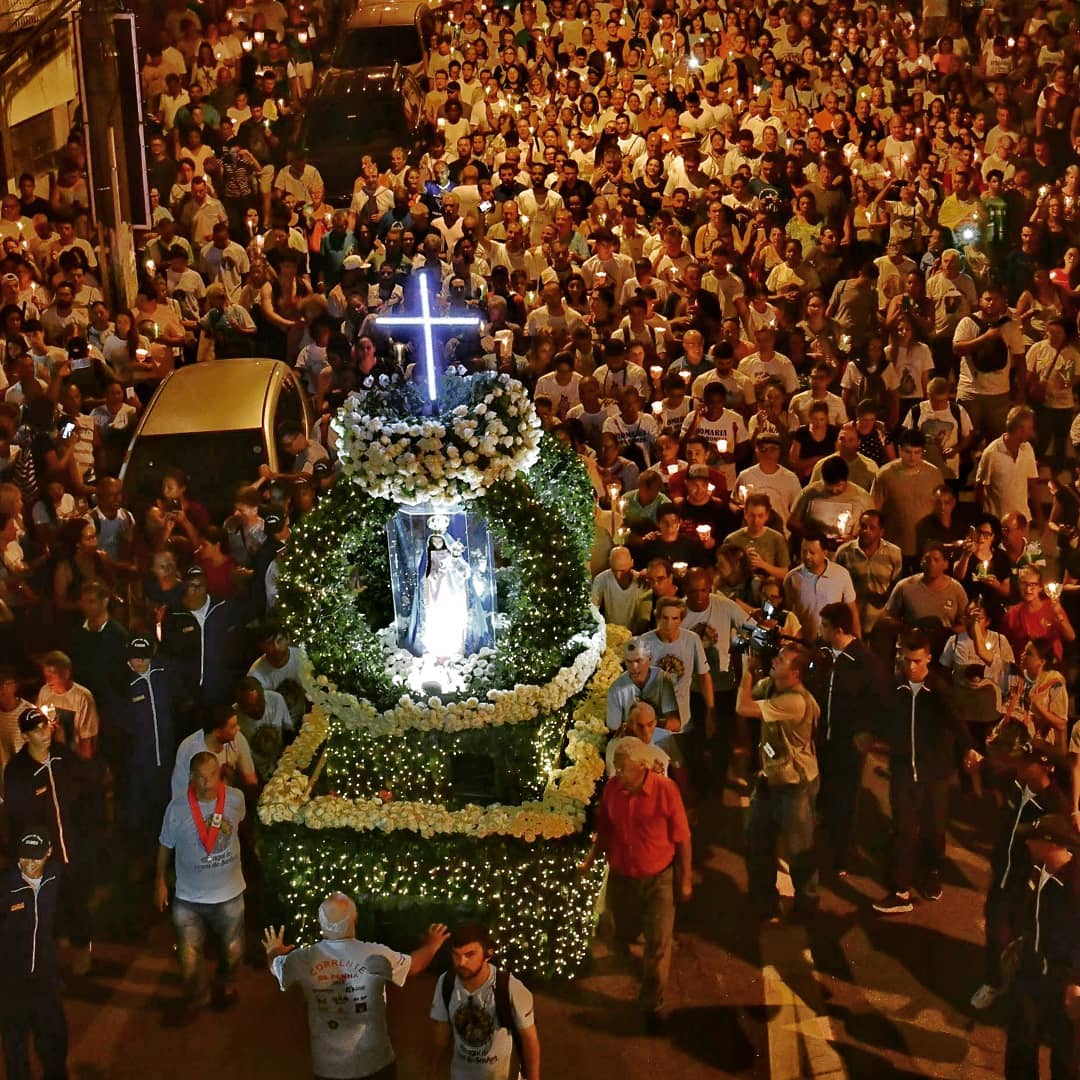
216, 421
361, 112
379, 35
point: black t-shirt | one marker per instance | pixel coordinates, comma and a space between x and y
684, 549
37, 205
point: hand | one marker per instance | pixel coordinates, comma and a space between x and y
754, 558
274, 942
264, 472
686, 890
972, 759
161, 895
436, 934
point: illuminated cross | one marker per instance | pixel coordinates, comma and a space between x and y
427, 321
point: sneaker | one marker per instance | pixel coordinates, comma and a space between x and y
985, 996
931, 890
894, 904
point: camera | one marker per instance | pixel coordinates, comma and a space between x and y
67, 429
764, 643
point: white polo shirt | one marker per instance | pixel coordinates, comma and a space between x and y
806, 594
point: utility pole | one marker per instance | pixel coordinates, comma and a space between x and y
103, 122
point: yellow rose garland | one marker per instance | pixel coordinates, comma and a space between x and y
561, 811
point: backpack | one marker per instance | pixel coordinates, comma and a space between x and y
988, 356
504, 1009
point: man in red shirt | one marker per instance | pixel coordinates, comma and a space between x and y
641, 827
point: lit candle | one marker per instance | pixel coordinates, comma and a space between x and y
657, 407
1053, 589
656, 371
259, 36
672, 470
684, 375
246, 45
680, 568
704, 532
843, 520
150, 267
302, 37
740, 493
722, 444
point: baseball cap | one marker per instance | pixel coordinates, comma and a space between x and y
195, 575
29, 719
140, 648
766, 437
320, 468
32, 845
274, 521
13, 278
353, 262
698, 472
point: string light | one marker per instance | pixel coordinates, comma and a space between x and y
334, 594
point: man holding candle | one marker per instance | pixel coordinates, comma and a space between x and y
765, 548
722, 428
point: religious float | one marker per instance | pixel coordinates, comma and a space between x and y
457, 670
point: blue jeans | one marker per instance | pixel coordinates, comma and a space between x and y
192, 921
786, 811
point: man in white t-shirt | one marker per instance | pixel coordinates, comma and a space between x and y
944, 424
681, 654
222, 737
769, 477
617, 593
201, 831
486, 1012
990, 346
1007, 472
344, 982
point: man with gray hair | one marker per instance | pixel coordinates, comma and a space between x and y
641, 681
641, 828
344, 981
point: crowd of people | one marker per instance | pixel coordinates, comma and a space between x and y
799, 284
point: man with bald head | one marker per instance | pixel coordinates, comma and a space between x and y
618, 593
344, 982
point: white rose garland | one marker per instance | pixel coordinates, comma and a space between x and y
451, 458
523, 703
561, 811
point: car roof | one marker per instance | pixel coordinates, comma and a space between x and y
226, 395
375, 14
339, 84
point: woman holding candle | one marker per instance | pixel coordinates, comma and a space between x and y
1038, 615
983, 568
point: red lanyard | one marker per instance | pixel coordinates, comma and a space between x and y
208, 834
